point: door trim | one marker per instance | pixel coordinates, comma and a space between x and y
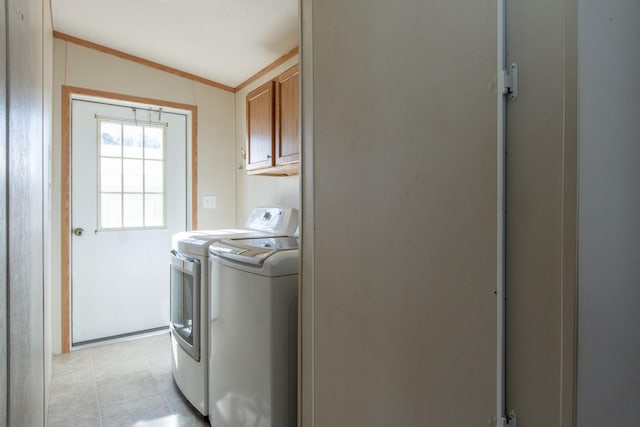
65, 245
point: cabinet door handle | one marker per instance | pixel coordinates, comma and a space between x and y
268, 156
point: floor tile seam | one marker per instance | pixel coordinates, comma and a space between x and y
62, 380
105, 361
177, 394
115, 406
121, 380
144, 353
57, 408
57, 365
169, 405
148, 371
141, 393
153, 374
157, 381
95, 390
147, 353
106, 373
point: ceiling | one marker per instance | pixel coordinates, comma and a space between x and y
226, 41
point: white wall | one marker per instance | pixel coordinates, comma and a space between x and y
609, 213
81, 67
28, 65
4, 232
255, 190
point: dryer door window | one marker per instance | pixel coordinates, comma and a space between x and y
185, 302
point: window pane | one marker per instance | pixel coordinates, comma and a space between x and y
153, 210
132, 210
132, 141
110, 175
153, 143
110, 211
132, 174
131, 164
153, 176
110, 139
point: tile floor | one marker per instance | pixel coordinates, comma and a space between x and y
123, 384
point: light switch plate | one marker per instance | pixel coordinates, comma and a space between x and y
209, 202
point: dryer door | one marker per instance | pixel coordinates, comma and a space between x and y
185, 302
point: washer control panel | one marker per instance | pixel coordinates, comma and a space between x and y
277, 220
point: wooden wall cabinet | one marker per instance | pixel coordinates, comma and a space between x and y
273, 126
261, 126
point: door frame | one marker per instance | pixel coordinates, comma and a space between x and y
68, 92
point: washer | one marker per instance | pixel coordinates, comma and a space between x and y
189, 319
254, 317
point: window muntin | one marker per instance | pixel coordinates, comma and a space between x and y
131, 175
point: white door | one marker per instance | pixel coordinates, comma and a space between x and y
128, 196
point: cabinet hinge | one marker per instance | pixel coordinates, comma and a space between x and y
509, 81
510, 421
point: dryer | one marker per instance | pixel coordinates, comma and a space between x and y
189, 317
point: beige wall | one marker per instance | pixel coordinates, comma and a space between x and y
254, 190
82, 67
362, 334
399, 213
541, 214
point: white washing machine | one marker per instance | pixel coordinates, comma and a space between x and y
189, 319
254, 318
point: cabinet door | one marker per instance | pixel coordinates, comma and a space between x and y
260, 127
288, 117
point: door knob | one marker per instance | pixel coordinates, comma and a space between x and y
78, 231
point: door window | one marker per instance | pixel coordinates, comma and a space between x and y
131, 178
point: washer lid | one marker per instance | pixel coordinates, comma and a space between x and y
252, 250
197, 242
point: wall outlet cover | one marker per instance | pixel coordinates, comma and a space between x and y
209, 202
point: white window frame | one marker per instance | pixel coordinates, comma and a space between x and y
122, 193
